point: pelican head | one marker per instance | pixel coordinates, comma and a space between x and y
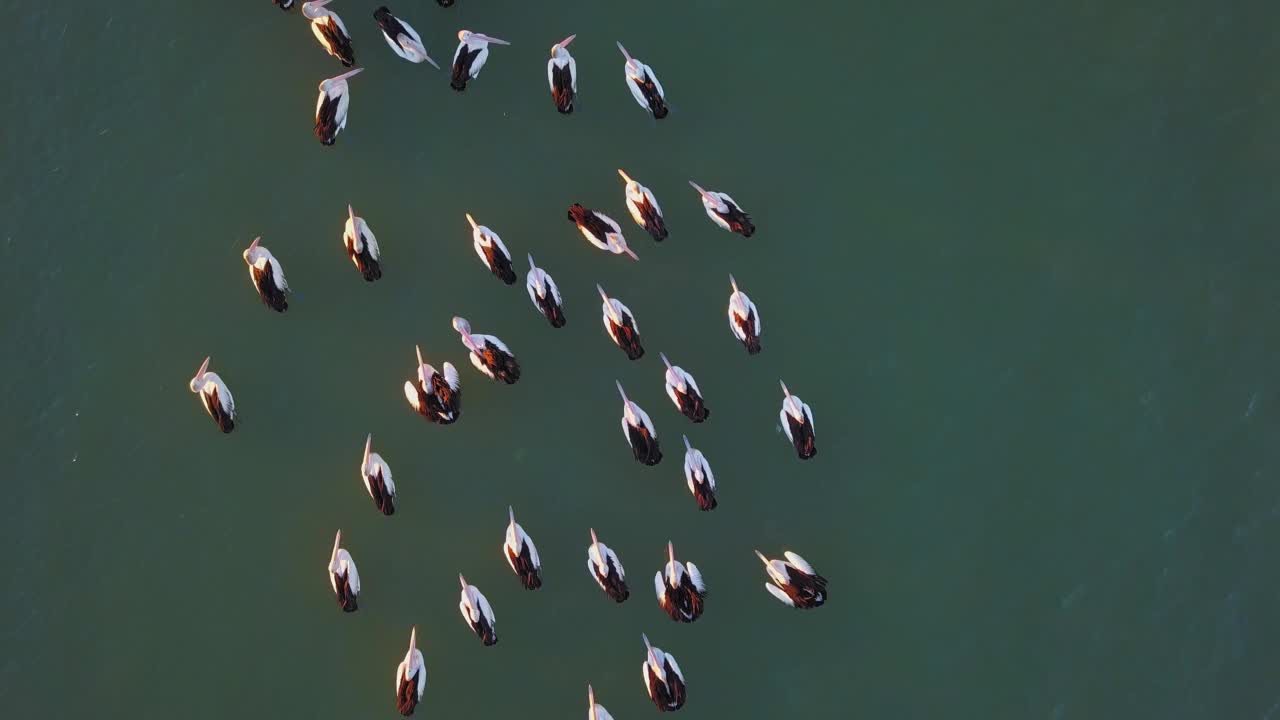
706, 196
368, 445
619, 246
311, 10
461, 325
418, 351
195, 381
249, 250
333, 556
558, 50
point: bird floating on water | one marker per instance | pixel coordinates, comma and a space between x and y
472, 52
376, 475
794, 582
606, 568
362, 246
343, 577
492, 252
683, 391
600, 230
797, 423
544, 294
215, 396
680, 589
330, 31
433, 395
662, 678
562, 75
411, 677
476, 611
521, 554
332, 105
644, 208
489, 355
744, 319
644, 85
594, 711
402, 38
267, 276
283, 4
697, 472
621, 325
725, 211
638, 429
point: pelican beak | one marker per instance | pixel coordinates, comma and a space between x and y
351, 214
413, 640
733, 282
320, 3
785, 391
671, 569
532, 267
337, 541
626, 178
595, 542
427, 57
254, 244
671, 552
348, 74
603, 295
625, 54
565, 42
511, 515
665, 361
463, 581
418, 351
591, 701
472, 221
621, 392
203, 367
630, 253
644, 637
698, 187
368, 443
687, 446
491, 39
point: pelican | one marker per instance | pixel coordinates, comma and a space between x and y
521, 554
343, 576
621, 326
476, 611
376, 475
472, 52
362, 246
697, 472
725, 212
681, 592
683, 391
411, 677
600, 230
594, 711
544, 294
330, 31
638, 429
644, 85
332, 105
283, 4
267, 276
492, 252
402, 38
744, 319
215, 396
644, 208
797, 423
662, 678
489, 355
562, 75
606, 568
794, 581
435, 396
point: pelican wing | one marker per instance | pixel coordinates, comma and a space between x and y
659, 587
799, 563
782, 418
369, 240
551, 75
533, 550
224, 395
480, 60
353, 576
809, 414
635, 81
653, 201
782, 596
451, 376
617, 564
494, 342
485, 608
644, 419
675, 667
411, 394
479, 365
696, 576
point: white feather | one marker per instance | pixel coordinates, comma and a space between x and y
778, 593
799, 563
696, 577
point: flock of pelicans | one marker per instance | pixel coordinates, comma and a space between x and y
437, 395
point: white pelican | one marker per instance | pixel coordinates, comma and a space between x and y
662, 678
744, 319
472, 52
794, 581
725, 212
600, 230
606, 568
521, 554
797, 423
621, 325
644, 85
343, 577
562, 75
215, 396
638, 429
330, 31
402, 38
332, 105
376, 475
697, 472
594, 711
489, 355
683, 391
491, 251
644, 208
411, 677
435, 396
267, 276
362, 246
476, 611
681, 592
544, 294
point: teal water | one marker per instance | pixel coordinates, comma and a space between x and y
1019, 260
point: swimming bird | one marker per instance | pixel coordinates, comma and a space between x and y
681, 592
411, 677
476, 611
606, 568
744, 319
683, 391
282, 4
594, 711
376, 475
472, 52
433, 395
330, 31
638, 429
215, 396
644, 86
600, 230
521, 554
562, 75
489, 355
445, 3
621, 326
797, 423
725, 212
267, 276
402, 38
343, 577
492, 252
697, 472
794, 582
662, 678
332, 105
544, 294
362, 246
644, 208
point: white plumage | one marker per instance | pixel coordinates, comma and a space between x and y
323, 23
412, 671
215, 396
697, 471
406, 43
477, 613
636, 74
742, 309
340, 563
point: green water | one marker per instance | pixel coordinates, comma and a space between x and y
1018, 257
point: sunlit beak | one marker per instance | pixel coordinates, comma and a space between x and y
203, 367
665, 361
625, 54
463, 581
733, 282
351, 215
785, 391
418, 351
254, 244
595, 541
368, 444
472, 221
532, 267
413, 640
348, 74
698, 187
625, 177
763, 559
427, 57
337, 540
511, 515
603, 295
491, 39
591, 701
565, 42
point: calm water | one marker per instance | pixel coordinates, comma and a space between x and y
1018, 259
